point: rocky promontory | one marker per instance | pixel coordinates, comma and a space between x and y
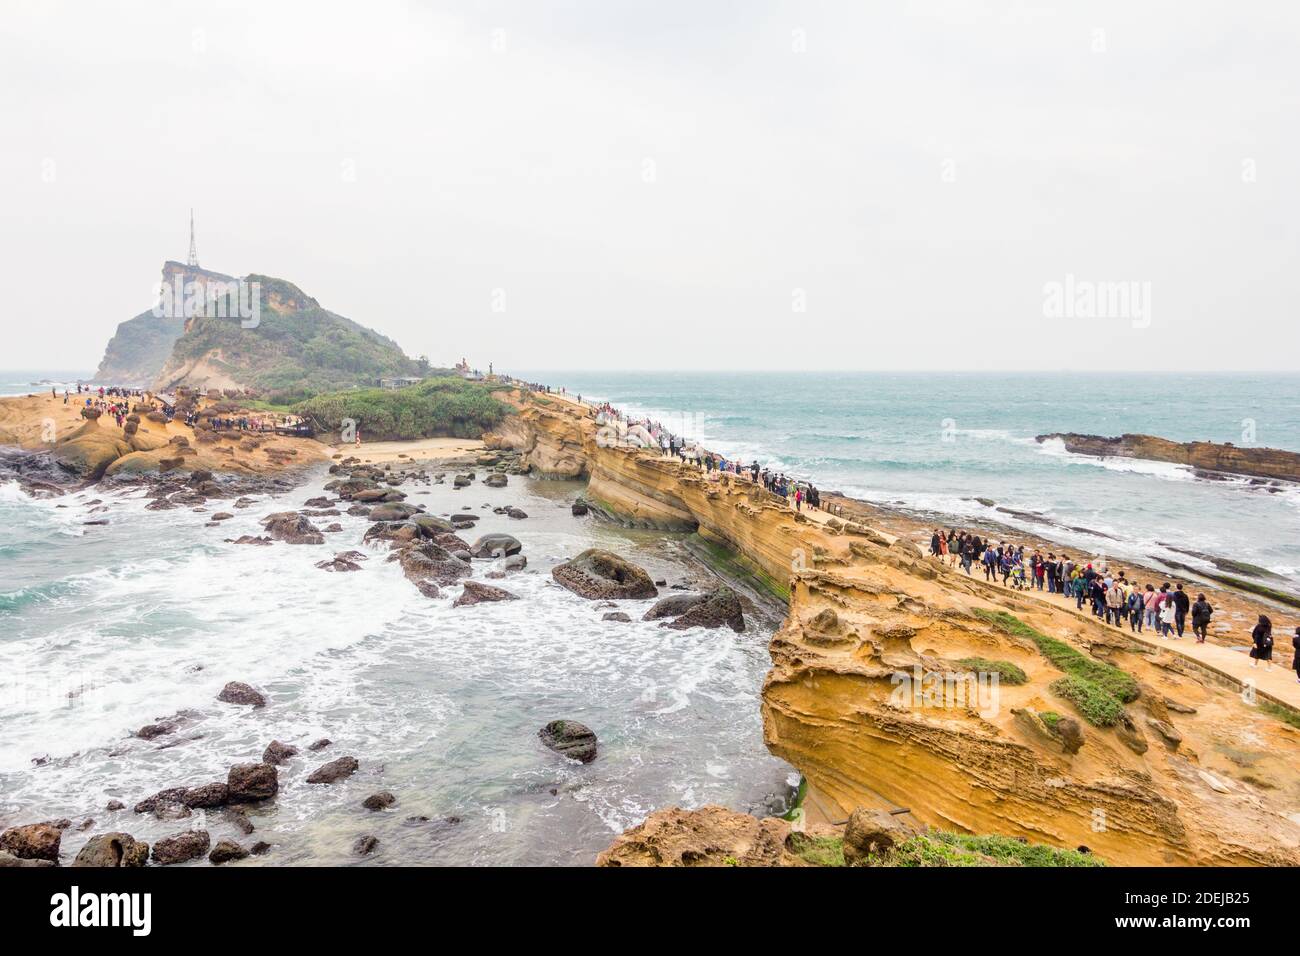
1206, 456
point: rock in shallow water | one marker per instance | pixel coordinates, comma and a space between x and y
602, 575
225, 851
570, 739
277, 753
33, 841
237, 692
113, 850
476, 593
182, 847
249, 782
379, 801
495, 546
334, 770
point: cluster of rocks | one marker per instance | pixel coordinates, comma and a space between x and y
246, 785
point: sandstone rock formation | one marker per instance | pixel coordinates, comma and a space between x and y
113, 850
600, 575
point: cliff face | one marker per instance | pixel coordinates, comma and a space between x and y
1207, 456
1188, 775
141, 346
138, 349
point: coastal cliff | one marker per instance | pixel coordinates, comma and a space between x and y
1089, 740
1205, 456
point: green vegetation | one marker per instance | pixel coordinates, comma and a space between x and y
819, 851
1098, 690
436, 406
1263, 590
297, 349
1008, 673
734, 565
1050, 717
1097, 706
1106, 676
800, 796
940, 848
1284, 714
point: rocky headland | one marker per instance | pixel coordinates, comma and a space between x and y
1210, 459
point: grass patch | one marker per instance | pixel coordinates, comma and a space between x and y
1284, 714
1050, 717
939, 848
1008, 673
819, 851
1093, 703
1107, 677
800, 796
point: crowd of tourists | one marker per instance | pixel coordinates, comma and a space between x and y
797, 493
1110, 595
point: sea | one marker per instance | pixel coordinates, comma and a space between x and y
107, 627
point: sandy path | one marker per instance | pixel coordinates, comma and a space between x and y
420, 449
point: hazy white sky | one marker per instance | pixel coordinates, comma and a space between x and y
664, 184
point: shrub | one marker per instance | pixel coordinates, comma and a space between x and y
1008, 673
1106, 676
437, 406
941, 848
1097, 706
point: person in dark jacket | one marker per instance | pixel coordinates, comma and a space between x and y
1201, 612
1181, 603
1295, 660
1262, 635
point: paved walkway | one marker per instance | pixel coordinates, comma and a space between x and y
1279, 683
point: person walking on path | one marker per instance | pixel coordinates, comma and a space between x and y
1295, 660
1181, 603
1201, 612
1262, 635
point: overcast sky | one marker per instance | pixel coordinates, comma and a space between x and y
671, 184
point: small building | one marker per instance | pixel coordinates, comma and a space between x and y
401, 382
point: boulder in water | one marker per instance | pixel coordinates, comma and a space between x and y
429, 566
475, 593
600, 575
250, 782
570, 739
113, 850
495, 546
237, 692
225, 851
719, 608
181, 848
277, 753
334, 771
33, 841
293, 528
379, 801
